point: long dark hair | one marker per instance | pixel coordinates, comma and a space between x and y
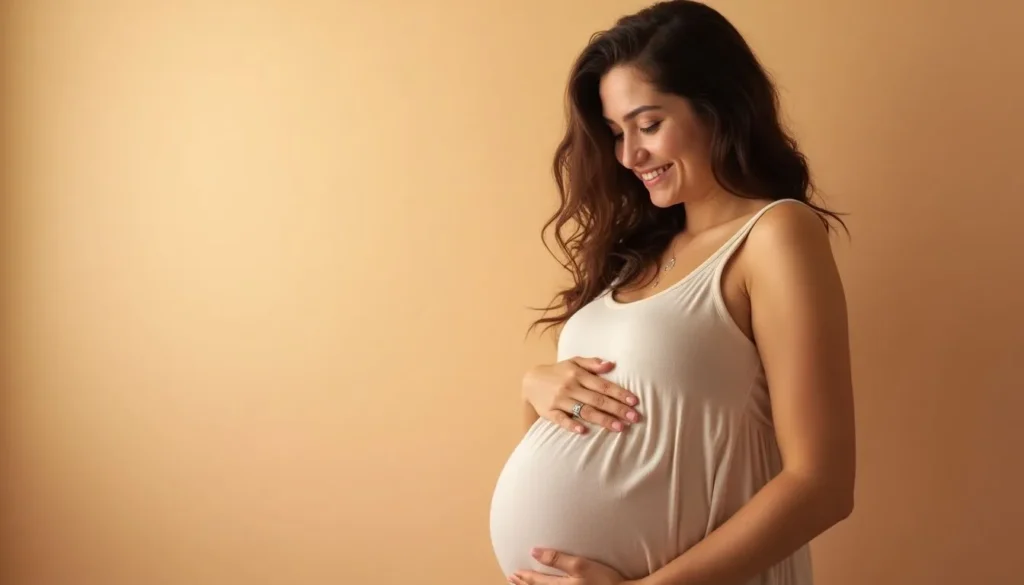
687, 49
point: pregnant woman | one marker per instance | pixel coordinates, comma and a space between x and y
697, 427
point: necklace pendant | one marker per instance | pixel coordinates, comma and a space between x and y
668, 266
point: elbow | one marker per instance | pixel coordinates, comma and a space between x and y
838, 502
829, 495
831, 500
844, 505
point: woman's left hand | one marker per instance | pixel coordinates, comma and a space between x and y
580, 571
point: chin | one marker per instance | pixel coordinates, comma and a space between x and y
665, 198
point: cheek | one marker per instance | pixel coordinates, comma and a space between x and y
671, 146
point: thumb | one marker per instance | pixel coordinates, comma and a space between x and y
595, 365
568, 564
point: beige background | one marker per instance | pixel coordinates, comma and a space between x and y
266, 264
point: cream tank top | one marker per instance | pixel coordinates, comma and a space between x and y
638, 499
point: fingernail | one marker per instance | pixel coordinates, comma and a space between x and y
617, 426
579, 429
631, 416
631, 400
535, 552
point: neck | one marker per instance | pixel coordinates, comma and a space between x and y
714, 209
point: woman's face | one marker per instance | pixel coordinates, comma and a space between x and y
658, 137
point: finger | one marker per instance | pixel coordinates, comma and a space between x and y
599, 408
590, 413
567, 422
610, 389
594, 364
605, 403
568, 564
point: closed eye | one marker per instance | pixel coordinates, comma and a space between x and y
646, 130
652, 128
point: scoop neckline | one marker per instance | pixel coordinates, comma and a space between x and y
610, 293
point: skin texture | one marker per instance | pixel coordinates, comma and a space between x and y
784, 291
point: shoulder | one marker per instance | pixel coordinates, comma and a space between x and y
790, 240
789, 224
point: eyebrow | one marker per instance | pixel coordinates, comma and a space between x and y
636, 112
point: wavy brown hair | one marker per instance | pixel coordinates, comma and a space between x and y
606, 225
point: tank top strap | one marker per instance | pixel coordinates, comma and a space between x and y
733, 243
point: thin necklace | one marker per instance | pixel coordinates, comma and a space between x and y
664, 269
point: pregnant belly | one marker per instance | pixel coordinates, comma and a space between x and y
595, 496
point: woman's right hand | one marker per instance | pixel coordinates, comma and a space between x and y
553, 390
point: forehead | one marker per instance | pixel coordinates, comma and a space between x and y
624, 88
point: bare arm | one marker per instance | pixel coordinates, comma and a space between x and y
800, 327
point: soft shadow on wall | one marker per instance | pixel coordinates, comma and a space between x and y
264, 279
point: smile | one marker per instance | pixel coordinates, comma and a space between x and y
651, 177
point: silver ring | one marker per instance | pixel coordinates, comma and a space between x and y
577, 408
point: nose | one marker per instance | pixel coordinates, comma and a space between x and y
632, 154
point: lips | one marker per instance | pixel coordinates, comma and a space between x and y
653, 174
